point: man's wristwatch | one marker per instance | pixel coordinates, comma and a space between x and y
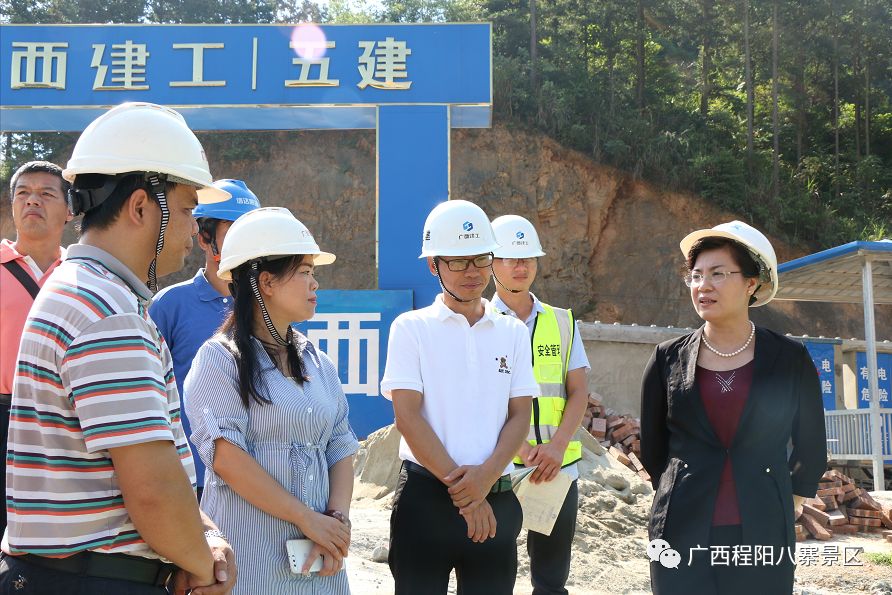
216, 533
337, 514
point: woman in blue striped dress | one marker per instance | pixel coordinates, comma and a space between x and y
269, 416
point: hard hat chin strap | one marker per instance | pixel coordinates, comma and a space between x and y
253, 274
496, 277
443, 285
157, 187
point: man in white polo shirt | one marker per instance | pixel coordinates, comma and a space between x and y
461, 380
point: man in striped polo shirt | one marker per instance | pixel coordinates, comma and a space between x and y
100, 478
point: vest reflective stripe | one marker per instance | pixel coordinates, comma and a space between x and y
552, 340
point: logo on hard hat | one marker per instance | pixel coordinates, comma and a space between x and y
467, 226
427, 235
519, 235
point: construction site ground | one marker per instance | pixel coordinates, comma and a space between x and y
609, 551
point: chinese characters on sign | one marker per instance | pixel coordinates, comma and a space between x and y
884, 376
387, 61
351, 327
23, 70
822, 355
382, 64
128, 67
357, 338
246, 76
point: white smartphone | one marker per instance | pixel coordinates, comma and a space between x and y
298, 550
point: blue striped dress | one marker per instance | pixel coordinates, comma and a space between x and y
296, 438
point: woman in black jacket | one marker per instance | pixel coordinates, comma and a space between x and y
732, 429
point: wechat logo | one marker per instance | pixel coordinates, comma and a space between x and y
660, 551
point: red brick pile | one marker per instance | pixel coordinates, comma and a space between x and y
841, 507
619, 434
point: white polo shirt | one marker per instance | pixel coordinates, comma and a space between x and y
465, 373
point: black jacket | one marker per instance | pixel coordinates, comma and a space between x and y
684, 457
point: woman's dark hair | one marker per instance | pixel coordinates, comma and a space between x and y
105, 214
238, 329
748, 265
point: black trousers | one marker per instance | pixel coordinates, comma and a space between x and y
428, 538
550, 554
18, 577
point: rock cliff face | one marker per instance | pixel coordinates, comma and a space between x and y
611, 241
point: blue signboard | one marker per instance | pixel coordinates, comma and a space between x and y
884, 378
263, 74
352, 328
884, 383
412, 83
822, 354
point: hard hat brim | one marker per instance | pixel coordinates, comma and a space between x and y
689, 240
210, 195
492, 247
323, 258
225, 272
501, 253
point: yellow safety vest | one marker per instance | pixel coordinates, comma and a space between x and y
552, 339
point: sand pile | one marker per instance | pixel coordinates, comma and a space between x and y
610, 541
612, 497
377, 464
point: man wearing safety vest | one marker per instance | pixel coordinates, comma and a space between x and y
560, 366
189, 313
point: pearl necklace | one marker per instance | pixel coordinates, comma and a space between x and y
733, 353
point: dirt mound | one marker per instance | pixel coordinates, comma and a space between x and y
611, 496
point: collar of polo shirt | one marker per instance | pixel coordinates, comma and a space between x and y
443, 311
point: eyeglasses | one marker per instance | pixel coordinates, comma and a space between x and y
715, 278
513, 262
457, 265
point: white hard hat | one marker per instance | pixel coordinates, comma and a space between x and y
756, 244
269, 231
457, 228
143, 137
517, 238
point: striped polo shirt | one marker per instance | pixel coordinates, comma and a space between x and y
93, 373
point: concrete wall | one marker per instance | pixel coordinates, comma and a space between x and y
618, 354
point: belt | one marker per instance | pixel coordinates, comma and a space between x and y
146, 571
5, 399
503, 484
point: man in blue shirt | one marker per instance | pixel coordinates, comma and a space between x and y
189, 313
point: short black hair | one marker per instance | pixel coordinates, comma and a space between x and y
41, 167
102, 216
207, 228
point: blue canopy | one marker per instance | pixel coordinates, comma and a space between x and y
851, 273
834, 275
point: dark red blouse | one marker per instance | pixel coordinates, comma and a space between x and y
724, 396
